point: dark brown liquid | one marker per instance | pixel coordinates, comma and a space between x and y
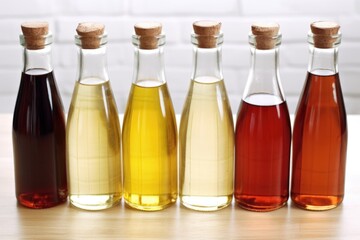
262, 156
319, 145
39, 143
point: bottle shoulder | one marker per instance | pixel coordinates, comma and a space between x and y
38, 103
149, 98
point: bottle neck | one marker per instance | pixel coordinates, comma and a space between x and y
264, 63
323, 61
38, 61
92, 65
149, 65
207, 64
264, 73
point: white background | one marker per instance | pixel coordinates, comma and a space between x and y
177, 17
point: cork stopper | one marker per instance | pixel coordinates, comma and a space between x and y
265, 35
207, 32
35, 34
90, 34
148, 33
324, 33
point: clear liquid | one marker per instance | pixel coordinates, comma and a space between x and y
206, 147
93, 147
150, 147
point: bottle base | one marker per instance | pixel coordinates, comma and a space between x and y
39, 200
149, 202
94, 202
261, 203
316, 202
202, 203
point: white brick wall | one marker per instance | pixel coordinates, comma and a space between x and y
119, 16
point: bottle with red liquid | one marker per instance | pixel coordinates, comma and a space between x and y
39, 125
263, 129
320, 128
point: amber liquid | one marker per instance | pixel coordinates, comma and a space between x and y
262, 153
206, 147
319, 145
93, 146
39, 143
150, 147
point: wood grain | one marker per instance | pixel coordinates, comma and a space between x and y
176, 222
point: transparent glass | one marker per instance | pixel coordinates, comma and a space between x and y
39, 132
93, 135
320, 134
149, 134
206, 135
262, 135
38, 61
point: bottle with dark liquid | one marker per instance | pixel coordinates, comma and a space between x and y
263, 129
39, 125
149, 128
93, 127
320, 128
206, 128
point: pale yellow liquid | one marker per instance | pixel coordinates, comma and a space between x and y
149, 147
206, 147
93, 147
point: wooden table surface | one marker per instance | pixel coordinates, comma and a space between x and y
176, 222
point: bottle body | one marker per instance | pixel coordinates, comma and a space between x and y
263, 140
93, 139
39, 141
319, 144
150, 147
206, 146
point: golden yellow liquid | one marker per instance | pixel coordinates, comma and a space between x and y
93, 147
206, 147
149, 147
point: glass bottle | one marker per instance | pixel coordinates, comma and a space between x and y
39, 125
93, 128
149, 128
320, 128
206, 128
263, 129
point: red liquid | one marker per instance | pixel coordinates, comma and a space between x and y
262, 155
39, 143
319, 145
